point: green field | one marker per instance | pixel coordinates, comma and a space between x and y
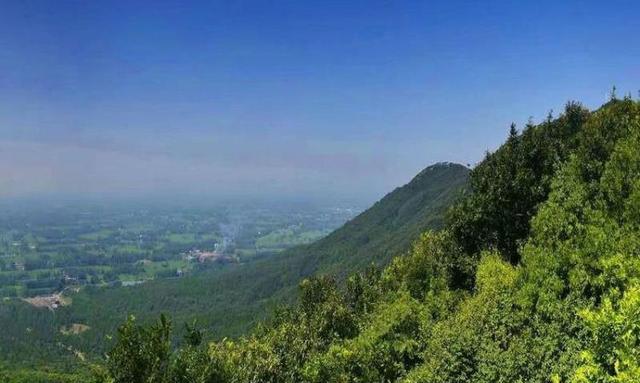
45, 249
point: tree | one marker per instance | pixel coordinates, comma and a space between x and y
141, 354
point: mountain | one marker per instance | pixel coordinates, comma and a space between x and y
231, 300
388, 227
535, 277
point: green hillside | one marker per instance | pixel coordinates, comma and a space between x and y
390, 225
231, 300
534, 278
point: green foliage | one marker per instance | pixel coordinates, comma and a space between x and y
614, 355
509, 185
386, 347
565, 311
142, 353
17, 375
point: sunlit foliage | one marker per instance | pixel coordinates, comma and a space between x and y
536, 278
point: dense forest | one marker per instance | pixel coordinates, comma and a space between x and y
533, 278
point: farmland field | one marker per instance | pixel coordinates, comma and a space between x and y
49, 247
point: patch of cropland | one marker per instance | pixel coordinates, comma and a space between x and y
48, 249
45, 249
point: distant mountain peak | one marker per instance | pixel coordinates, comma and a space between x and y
439, 167
389, 226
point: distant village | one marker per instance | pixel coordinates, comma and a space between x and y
202, 256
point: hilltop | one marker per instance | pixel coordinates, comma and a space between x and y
388, 227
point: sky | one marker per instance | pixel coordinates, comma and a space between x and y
292, 98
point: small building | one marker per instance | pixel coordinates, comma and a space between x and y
18, 266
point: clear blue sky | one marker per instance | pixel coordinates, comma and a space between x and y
295, 97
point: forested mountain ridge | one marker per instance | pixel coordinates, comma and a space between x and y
231, 300
388, 227
535, 277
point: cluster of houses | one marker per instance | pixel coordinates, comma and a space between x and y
18, 266
203, 256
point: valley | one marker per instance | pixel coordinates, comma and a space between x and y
48, 249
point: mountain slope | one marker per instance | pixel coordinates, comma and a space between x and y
547, 246
388, 227
231, 300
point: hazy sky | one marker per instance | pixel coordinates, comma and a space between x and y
296, 97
